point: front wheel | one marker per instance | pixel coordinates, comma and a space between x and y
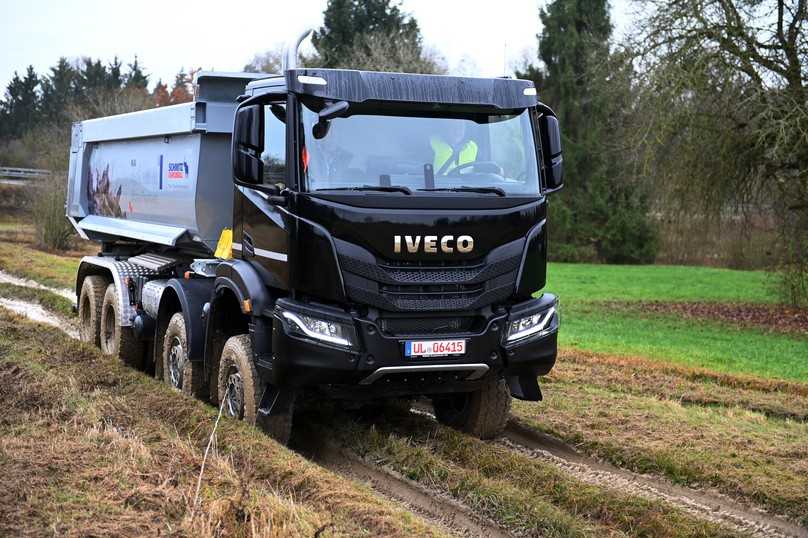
241, 389
482, 413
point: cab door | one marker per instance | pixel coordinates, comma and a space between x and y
263, 238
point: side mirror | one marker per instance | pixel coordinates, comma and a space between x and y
552, 155
248, 143
325, 116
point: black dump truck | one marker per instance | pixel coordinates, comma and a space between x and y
356, 235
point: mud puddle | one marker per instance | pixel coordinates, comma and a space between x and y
34, 312
7, 278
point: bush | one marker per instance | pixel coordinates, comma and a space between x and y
628, 237
14, 198
53, 230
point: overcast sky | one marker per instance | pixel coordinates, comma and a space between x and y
485, 38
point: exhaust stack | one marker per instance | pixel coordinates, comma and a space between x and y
290, 51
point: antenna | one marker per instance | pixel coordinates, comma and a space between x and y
290, 50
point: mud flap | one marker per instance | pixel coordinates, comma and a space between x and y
524, 387
275, 404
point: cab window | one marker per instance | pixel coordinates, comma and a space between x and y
274, 154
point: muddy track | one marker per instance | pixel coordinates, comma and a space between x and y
458, 519
7, 278
433, 506
35, 312
710, 506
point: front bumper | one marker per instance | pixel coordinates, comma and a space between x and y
376, 364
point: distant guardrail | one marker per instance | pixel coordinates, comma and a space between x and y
22, 175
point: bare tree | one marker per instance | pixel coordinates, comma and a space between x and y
724, 112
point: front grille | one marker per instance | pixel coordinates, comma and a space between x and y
427, 326
394, 286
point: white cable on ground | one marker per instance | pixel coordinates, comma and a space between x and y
207, 449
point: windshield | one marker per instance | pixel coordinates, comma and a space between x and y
478, 153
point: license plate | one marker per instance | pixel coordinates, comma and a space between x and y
434, 348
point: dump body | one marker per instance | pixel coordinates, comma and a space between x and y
159, 176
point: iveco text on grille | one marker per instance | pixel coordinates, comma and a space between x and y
431, 243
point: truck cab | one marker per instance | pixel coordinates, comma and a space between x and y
403, 219
389, 240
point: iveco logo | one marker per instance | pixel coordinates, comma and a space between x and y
431, 243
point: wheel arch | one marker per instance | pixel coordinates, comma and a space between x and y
87, 267
226, 317
188, 297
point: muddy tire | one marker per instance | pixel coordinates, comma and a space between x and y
482, 413
241, 389
179, 372
90, 300
114, 340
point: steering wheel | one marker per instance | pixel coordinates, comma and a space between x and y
489, 167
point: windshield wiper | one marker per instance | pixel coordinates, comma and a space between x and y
484, 190
392, 188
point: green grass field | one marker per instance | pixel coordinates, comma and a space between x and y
590, 324
583, 282
693, 343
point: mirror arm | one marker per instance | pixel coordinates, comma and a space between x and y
271, 192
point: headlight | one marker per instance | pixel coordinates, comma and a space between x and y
532, 325
332, 332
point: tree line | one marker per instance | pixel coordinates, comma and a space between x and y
81, 89
697, 119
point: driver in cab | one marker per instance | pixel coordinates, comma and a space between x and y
453, 148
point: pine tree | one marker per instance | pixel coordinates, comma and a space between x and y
136, 78
351, 26
590, 218
93, 77
114, 79
21, 106
58, 89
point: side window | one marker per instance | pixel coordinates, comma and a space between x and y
274, 154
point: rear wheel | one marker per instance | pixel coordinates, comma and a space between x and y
179, 372
114, 339
482, 413
90, 300
241, 388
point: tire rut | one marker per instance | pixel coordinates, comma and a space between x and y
712, 507
35, 312
8, 278
433, 506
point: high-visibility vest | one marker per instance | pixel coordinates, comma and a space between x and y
444, 152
